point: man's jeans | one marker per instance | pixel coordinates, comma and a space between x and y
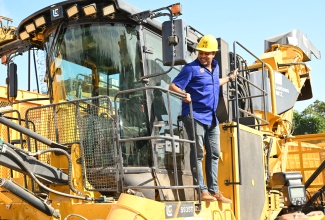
209, 137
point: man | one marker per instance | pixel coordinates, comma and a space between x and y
199, 82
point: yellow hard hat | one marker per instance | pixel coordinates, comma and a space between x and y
208, 43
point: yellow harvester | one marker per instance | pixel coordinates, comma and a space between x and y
105, 141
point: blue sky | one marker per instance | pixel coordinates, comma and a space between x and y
248, 22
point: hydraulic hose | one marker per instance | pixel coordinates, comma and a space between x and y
28, 197
75, 215
69, 162
18, 159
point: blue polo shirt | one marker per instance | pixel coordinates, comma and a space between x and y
204, 87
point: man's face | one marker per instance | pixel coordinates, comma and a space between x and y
205, 58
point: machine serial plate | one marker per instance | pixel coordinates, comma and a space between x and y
179, 209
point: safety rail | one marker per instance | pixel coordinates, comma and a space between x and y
249, 97
88, 122
233, 99
153, 137
249, 113
8, 114
19, 119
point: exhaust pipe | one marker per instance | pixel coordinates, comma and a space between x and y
28, 197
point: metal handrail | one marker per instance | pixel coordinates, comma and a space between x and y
171, 138
236, 99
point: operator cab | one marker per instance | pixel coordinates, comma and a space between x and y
111, 65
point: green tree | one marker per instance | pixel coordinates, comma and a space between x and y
311, 120
317, 108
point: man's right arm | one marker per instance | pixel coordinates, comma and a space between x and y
175, 88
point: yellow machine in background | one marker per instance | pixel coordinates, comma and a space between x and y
107, 142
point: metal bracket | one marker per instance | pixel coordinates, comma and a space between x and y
198, 207
79, 160
142, 16
173, 40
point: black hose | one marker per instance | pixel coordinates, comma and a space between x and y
69, 162
18, 159
50, 150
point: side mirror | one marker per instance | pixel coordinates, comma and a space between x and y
184, 39
178, 39
12, 82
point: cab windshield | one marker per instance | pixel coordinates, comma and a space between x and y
93, 59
